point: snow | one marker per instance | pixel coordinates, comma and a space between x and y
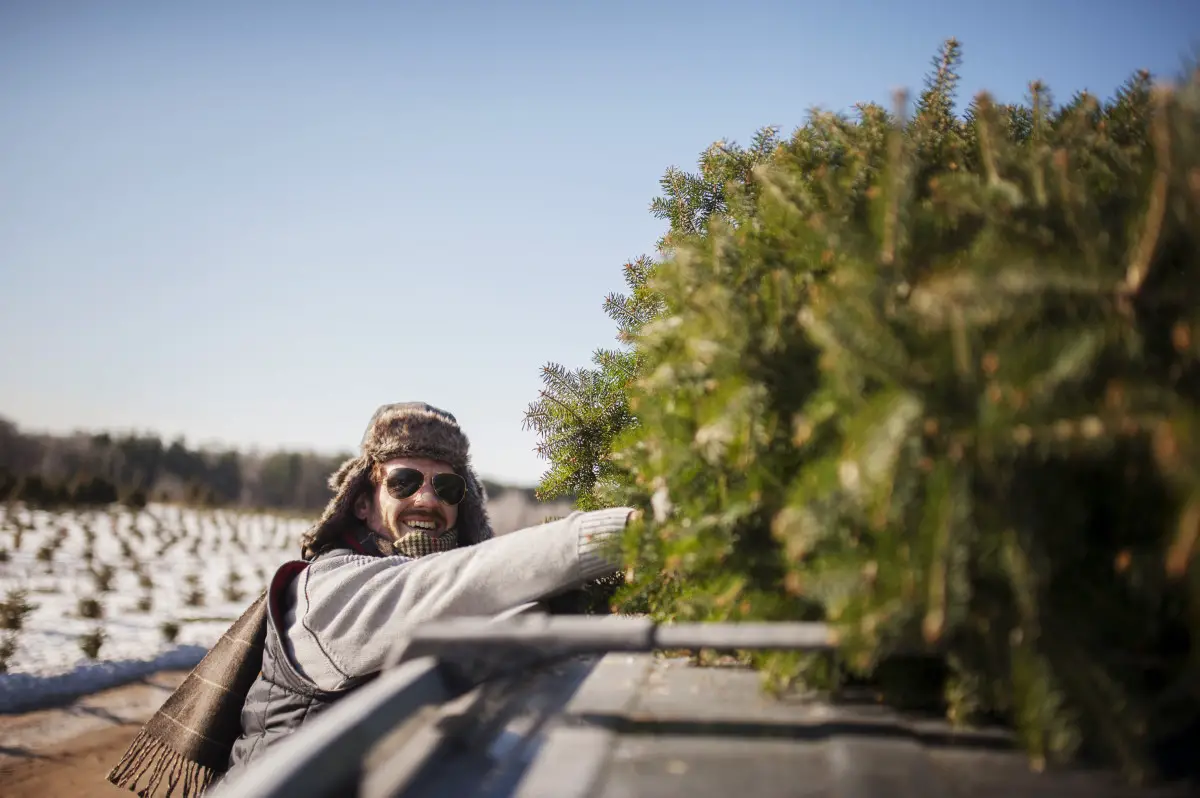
179, 549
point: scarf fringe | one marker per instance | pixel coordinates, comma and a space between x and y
150, 758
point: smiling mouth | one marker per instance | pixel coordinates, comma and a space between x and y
426, 525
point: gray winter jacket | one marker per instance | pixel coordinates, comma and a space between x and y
332, 621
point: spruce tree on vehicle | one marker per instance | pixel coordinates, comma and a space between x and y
940, 388
934, 380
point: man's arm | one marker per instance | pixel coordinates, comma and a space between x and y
349, 611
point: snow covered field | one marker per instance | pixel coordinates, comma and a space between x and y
142, 571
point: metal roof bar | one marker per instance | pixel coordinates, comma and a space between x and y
567, 635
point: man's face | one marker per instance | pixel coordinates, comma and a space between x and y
423, 511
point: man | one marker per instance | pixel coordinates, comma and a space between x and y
405, 539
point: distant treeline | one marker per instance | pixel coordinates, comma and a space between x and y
99, 468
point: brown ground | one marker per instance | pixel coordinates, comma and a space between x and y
67, 751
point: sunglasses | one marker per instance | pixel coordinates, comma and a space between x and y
404, 482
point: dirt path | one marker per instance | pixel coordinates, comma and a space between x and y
67, 751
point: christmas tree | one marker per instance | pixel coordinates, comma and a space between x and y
934, 380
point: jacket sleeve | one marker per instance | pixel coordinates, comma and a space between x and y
346, 612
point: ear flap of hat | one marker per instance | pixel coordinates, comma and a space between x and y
473, 523
351, 478
344, 472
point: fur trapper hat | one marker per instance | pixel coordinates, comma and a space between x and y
408, 429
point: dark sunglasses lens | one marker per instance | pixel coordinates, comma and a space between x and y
404, 482
450, 488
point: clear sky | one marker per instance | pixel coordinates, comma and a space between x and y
253, 222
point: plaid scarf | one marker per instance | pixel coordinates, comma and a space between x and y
186, 744
418, 544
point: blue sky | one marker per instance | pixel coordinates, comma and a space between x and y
252, 223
